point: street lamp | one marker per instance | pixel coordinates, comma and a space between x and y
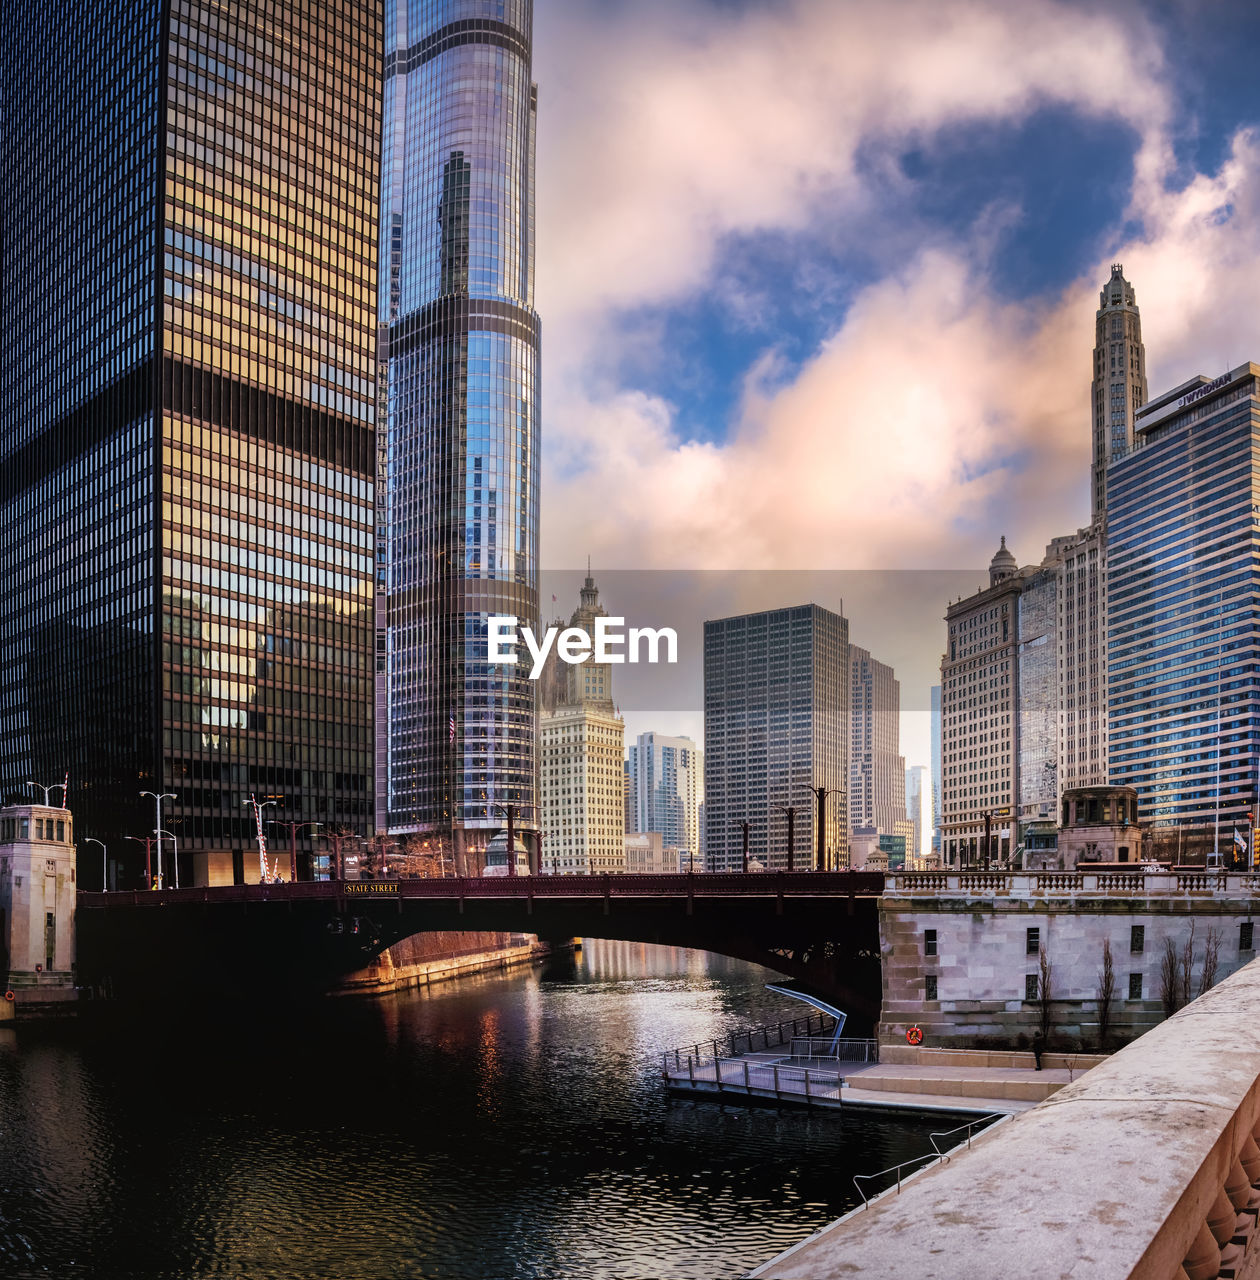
743, 824
510, 811
48, 804
821, 793
148, 867
790, 810
258, 806
157, 804
104, 862
174, 842
294, 828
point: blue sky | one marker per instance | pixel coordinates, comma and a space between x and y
818, 278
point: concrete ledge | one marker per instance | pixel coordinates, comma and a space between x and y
921, 1056
1034, 1089
1112, 1177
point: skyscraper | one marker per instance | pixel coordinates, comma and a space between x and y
877, 770
1183, 591
583, 762
667, 782
1119, 381
187, 351
776, 724
936, 768
460, 343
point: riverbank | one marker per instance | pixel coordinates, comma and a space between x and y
426, 959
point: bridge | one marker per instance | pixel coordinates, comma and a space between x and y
818, 927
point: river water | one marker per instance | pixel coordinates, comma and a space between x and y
503, 1125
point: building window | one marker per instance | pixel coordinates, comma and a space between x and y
1032, 945
929, 942
1137, 939
61, 831
929, 986
1135, 986
1030, 986
1245, 940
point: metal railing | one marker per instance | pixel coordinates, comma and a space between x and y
830, 1050
935, 1156
776, 1079
756, 1040
968, 1128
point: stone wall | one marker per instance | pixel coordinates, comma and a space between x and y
987, 964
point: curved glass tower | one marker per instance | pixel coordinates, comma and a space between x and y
459, 346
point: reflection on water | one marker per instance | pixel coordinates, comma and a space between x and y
500, 1126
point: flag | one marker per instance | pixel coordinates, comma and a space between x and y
452, 728
1238, 839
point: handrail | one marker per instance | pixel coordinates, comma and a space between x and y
971, 1124
892, 1168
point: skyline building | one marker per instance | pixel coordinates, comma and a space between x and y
667, 788
187, 400
1183, 591
935, 714
460, 351
583, 763
919, 809
1118, 386
776, 724
877, 770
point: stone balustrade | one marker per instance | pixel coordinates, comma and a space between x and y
1027, 884
1146, 1168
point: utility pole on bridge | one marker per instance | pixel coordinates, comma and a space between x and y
821, 794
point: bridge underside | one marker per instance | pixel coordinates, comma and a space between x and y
298, 947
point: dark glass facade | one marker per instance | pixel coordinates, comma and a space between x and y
461, 347
776, 723
189, 414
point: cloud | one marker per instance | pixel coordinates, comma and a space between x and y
935, 415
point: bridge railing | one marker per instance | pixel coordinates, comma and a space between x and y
736, 884
1146, 1166
751, 1075
1018, 884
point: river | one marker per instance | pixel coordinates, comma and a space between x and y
502, 1125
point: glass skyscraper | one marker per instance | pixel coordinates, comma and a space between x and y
776, 724
187, 349
459, 348
1183, 597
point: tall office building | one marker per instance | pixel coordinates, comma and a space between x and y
460, 343
877, 770
1082, 658
936, 768
667, 780
1183, 593
776, 724
919, 809
187, 365
583, 743
1119, 378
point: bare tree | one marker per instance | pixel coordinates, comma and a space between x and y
1170, 978
1106, 994
1211, 959
1187, 962
1045, 989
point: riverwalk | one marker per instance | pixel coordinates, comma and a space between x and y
818, 1071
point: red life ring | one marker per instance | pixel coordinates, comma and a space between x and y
914, 1035
8, 995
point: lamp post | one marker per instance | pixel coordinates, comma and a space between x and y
337, 870
820, 794
790, 810
48, 804
175, 844
294, 828
157, 804
510, 811
104, 862
258, 806
743, 824
148, 866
